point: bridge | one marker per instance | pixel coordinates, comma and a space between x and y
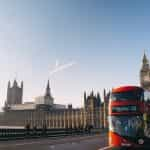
62, 139
86, 142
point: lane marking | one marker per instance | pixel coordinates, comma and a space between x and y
73, 143
21, 144
52, 146
105, 148
30, 143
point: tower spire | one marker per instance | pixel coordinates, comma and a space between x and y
145, 60
92, 93
145, 65
22, 84
98, 99
85, 98
9, 84
104, 94
47, 93
15, 84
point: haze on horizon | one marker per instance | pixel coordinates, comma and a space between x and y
105, 38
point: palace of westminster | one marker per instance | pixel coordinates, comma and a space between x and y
44, 112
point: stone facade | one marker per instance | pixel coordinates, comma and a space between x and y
50, 115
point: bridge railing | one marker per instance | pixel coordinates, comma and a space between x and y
10, 134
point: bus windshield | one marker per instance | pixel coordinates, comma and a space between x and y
129, 95
127, 126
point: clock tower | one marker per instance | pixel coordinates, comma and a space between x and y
145, 73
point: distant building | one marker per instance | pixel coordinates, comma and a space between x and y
145, 73
14, 93
44, 112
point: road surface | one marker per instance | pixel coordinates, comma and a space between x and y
95, 142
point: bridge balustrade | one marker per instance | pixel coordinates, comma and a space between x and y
8, 134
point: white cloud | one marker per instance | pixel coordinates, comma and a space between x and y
62, 67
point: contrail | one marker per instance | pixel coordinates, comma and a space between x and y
62, 67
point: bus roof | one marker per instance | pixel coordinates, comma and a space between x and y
125, 88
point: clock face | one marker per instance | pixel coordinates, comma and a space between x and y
146, 78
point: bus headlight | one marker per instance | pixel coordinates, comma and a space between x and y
141, 141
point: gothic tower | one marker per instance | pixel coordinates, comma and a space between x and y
92, 109
105, 108
14, 93
145, 73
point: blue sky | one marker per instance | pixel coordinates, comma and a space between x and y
106, 39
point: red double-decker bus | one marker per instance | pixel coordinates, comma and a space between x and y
129, 118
